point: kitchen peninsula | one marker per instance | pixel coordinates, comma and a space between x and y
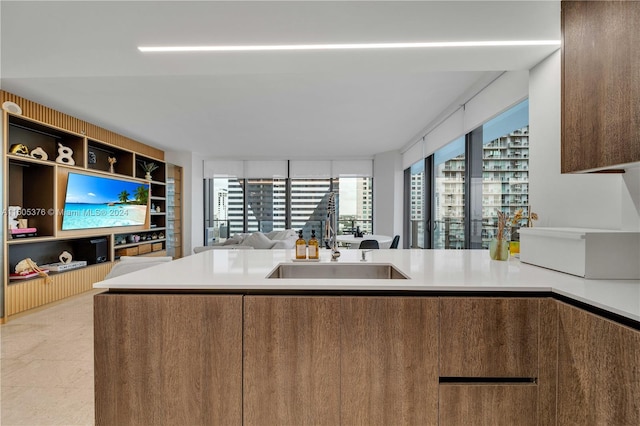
208, 339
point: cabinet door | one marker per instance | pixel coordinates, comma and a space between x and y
389, 361
598, 370
291, 360
600, 84
488, 404
168, 359
489, 337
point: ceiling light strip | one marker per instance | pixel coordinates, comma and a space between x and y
257, 48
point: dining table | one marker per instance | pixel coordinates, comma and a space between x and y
351, 241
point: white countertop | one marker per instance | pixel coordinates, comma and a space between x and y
429, 270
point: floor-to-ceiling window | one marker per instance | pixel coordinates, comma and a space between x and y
355, 204
266, 204
474, 177
416, 205
224, 208
449, 196
309, 205
236, 205
505, 167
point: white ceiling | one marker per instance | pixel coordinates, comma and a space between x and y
81, 57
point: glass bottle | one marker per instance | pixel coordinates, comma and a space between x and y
301, 247
313, 246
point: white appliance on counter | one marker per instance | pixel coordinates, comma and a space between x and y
588, 253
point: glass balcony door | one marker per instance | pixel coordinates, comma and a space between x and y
449, 196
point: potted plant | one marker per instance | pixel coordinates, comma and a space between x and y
499, 246
148, 168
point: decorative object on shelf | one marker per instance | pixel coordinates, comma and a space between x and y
29, 267
148, 168
131, 238
23, 232
19, 149
23, 223
499, 246
531, 217
39, 154
161, 235
65, 155
65, 257
154, 236
92, 158
12, 107
112, 161
12, 214
158, 209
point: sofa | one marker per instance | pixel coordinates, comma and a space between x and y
285, 239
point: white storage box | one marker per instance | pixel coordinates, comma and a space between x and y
589, 253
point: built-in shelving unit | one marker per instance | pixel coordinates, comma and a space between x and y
41, 147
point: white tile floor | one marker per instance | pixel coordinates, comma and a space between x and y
46, 365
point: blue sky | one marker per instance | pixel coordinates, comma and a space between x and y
97, 189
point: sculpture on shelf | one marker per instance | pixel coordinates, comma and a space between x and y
112, 161
19, 149
92, 157
28, 266
39, 154
12, 213
65, 257
148, 168
65, 155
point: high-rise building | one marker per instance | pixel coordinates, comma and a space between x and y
505, 185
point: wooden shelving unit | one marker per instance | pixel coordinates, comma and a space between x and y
37, 184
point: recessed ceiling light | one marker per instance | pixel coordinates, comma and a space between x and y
256, 48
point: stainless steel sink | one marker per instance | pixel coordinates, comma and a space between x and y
381, 271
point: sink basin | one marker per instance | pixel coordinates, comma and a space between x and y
381, 271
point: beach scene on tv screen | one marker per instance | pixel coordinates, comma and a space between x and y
99, 202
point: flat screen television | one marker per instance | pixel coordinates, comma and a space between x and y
94, 201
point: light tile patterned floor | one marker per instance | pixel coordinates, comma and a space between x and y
46, 365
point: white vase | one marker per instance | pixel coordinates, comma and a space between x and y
147, 176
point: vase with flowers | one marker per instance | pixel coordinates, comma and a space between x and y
148, 168
499, 245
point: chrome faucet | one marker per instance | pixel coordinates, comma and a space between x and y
364, 255
331, 227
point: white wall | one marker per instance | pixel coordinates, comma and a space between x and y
387, 193
193, 199
610, 201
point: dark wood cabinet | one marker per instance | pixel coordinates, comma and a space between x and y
389, 363
600, 84
360, 359
168, 359
489, 337
598, 370
340, 360
488, 404
291, 360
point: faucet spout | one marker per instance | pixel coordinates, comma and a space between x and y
332, 227
364, 255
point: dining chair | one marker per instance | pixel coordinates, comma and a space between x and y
369, 244
394, 243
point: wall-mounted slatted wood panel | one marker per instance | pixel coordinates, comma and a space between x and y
66, 122
26, 295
